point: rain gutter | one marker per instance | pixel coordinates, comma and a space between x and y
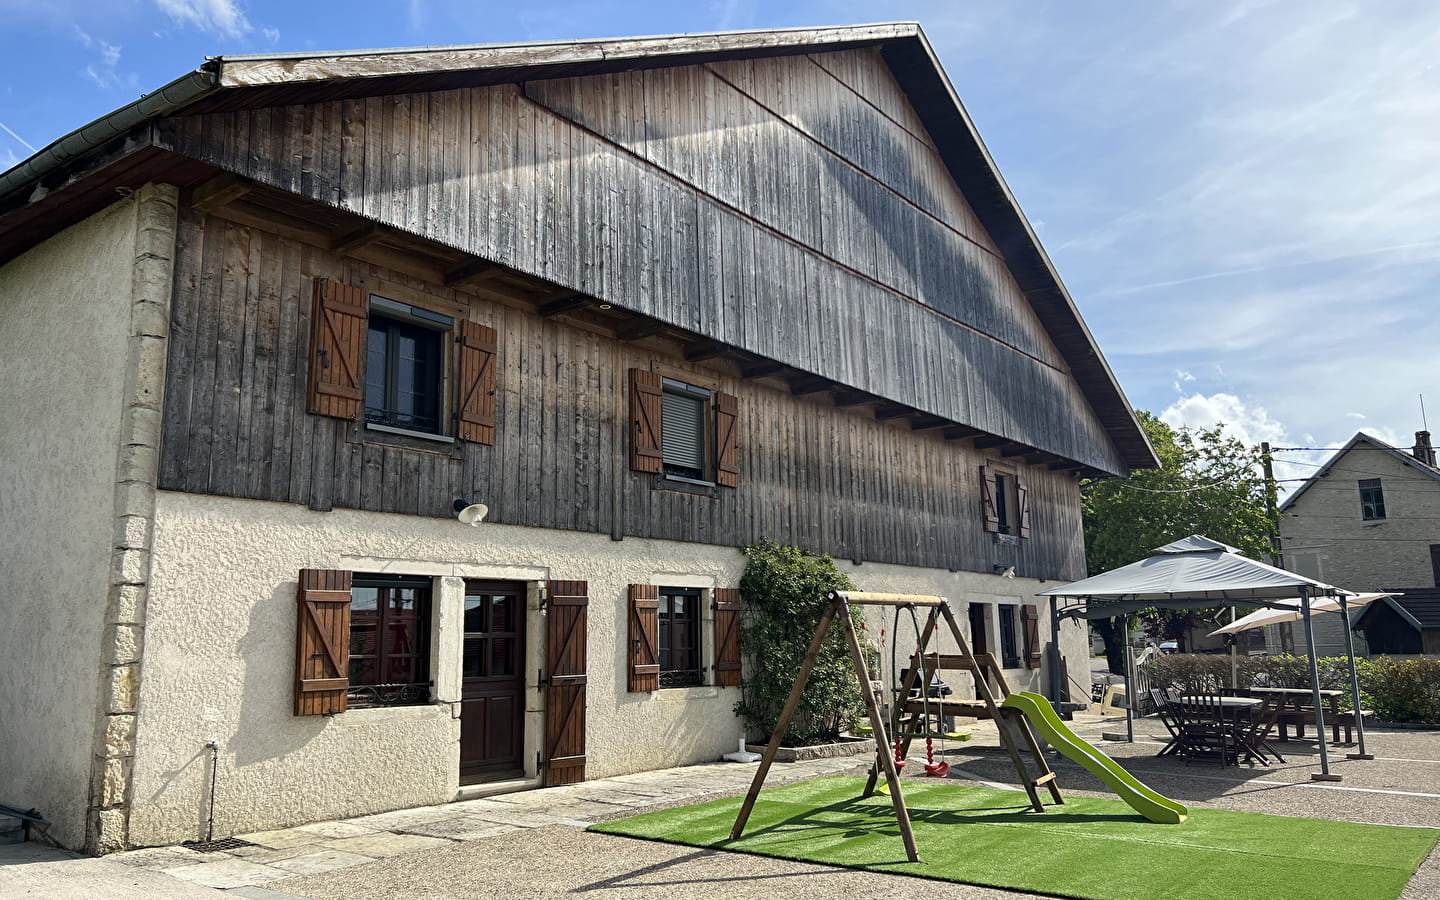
174, 96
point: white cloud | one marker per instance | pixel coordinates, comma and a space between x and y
272, 35
1251, 424
104, 71
219, 17
1354, 415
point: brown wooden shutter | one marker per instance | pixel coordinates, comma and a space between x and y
337, 350
727, 412
727, 637
566, 610
322, 642
1031, 619
1022, 500
644, 654
475, 382
645, 455
988, 508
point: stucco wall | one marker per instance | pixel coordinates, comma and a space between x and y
220, 656
64, 324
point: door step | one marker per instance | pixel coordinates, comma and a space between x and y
493, 788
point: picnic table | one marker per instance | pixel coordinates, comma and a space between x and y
1295, 711
1232, 730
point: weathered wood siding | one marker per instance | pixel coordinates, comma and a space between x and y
828, 479
793, 207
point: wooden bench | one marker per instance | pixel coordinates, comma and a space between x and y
1305, 715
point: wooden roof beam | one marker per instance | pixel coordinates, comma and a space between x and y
961, 433
989, 441
220, 191
639, 327
761, 368
564, 303
1064, 464
471, 271
927, 423
891, 411
853, 398
1014, 449
703, 350
810, 384
357, 238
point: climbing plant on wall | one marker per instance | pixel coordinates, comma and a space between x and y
783, 592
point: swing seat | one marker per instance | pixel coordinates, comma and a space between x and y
940, 769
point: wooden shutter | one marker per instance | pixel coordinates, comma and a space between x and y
644, 653
475, 382
1031, 619
727, 410
337, 350
727, 637
322, 642
566, 610
645, 455
1022, 500
988, 507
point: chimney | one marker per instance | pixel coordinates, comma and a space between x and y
1423, 449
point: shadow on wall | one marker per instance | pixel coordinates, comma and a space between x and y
266, 727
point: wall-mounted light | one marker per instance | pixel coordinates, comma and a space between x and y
470, 513
603, 306
1004, 571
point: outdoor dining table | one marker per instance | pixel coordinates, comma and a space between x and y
1290, 701
1232, 709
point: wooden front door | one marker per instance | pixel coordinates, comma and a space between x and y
492, 708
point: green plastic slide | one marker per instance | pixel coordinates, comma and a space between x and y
1146, 802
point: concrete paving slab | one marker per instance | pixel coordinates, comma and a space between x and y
282, 837
338, 829
386, 844
461, 828
158, 857
229, 872
31, 871
321, 861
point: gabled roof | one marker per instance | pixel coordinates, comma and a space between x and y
1360, 437
258, 81
1418, 606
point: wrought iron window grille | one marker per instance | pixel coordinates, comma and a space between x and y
389, 694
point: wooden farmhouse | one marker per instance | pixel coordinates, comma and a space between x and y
272, 328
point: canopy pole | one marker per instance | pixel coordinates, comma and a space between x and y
1234, 663
1129, 692
1057, 685
1324, 773
1354, 685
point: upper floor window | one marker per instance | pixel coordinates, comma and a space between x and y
405, 367
685, 430
1372, 499
1005, 501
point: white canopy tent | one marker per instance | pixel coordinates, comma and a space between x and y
1290, 612
1196, 573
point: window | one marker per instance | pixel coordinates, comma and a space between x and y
405, 367
679, 631
682, 432
685, 432
1009, 651
1004, 501
1435, 562
1372, 499
389, 640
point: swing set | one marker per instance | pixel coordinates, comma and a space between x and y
910, 716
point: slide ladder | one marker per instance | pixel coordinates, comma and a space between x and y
1042, 716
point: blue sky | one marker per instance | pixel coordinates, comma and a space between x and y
1243, 197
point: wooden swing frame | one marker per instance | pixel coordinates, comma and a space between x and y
1014, 729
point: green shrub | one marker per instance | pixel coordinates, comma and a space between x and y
784, 591
1398, 690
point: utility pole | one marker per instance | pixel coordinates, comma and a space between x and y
1271, 506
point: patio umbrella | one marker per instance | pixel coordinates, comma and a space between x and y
1292, 612
1195, 573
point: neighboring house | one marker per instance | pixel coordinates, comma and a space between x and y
1367, 520
1405, 625
649, 300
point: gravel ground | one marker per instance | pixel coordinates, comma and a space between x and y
560, 861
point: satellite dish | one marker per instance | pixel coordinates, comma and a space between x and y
473, 514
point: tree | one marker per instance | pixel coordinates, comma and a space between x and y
1208, 483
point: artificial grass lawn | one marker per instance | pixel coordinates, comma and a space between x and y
1090, 847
